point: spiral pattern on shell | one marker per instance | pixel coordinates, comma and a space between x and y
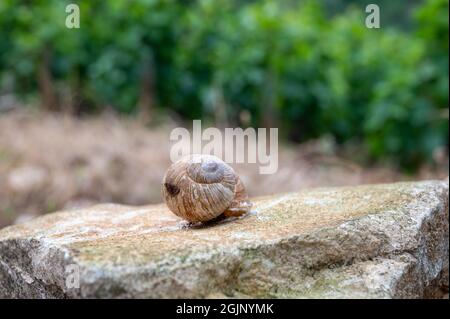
199, 188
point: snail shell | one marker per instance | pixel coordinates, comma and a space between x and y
199, 188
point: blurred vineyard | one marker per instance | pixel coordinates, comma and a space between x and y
310, 70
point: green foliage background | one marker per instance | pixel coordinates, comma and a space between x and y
289, 64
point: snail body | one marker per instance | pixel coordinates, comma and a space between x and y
199, 188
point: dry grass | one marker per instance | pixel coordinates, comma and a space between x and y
50, 162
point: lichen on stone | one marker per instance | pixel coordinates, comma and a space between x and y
372, 241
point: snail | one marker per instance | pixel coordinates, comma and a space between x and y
199, 188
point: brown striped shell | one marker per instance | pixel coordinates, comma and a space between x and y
199, 188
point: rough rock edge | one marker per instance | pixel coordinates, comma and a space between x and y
270, 269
